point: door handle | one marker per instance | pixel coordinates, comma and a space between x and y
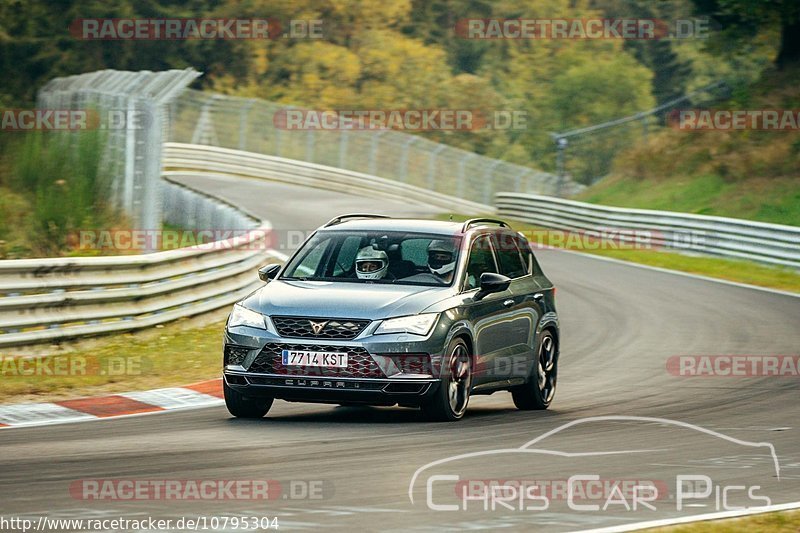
538, 296
508, 303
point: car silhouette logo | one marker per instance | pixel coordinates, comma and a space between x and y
317, 327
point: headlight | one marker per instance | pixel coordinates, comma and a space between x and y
241, 316
414, 324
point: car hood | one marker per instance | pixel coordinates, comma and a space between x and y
343, 300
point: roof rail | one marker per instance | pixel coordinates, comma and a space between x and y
473, 221
340, 218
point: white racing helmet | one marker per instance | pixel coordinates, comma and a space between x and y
371, 263
441, 257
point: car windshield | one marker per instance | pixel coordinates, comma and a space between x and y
399, 258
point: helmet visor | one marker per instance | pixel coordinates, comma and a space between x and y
437, 259
369, 265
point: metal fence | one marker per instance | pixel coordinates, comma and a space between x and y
129, 108
249, 125
587, 154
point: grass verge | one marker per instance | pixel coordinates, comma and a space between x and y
775, 200
787, 522
175, 354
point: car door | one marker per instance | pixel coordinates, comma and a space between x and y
488, 315
523, 306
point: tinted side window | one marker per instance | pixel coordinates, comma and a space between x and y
347, 255
509, 256
480, 261
527, 255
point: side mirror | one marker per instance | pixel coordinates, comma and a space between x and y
491, 282
268, 272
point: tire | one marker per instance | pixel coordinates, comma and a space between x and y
242, 406
450, 401
538, 392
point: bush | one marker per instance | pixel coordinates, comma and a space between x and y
61, 177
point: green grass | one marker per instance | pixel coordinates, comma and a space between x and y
176, 354
788, 522
55, 185
47, 198
775, 200
15, 224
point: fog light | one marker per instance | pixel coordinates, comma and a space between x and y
235, 380
235, 355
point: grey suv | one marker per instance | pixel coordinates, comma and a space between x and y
381, 311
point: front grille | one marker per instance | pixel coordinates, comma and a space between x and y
334, 328
359, 362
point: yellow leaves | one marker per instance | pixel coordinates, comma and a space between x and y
337, 97
324, 60
602, 89
260, 60
310, 67
467, 91
371, 13
409, 72
384, 70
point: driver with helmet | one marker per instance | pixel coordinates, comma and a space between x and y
441, 259
371, 264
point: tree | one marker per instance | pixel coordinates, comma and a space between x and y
744, 19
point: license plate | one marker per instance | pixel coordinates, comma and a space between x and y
307, 358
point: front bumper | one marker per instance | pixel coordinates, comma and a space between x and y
382, 369
335, 390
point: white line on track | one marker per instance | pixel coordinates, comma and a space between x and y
696, 518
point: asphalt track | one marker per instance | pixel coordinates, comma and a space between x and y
620, 324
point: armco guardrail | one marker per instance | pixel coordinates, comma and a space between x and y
55, 299
757, 241
180, 158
